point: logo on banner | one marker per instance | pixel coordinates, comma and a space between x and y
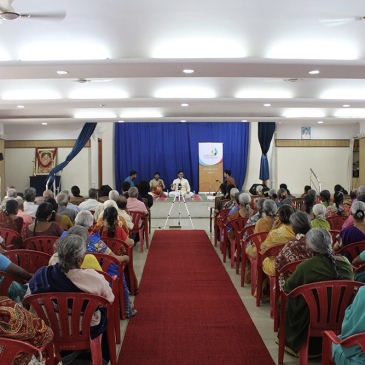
210, 154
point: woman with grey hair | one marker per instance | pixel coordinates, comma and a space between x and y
67, 276
265, 223
323, 266
356, 232
319, 221
232, 202
296, 248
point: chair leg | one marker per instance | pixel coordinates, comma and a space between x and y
95, 347
238, 258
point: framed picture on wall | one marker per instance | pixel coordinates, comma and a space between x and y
45, 160
306, 132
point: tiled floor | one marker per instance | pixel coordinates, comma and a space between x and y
199, 214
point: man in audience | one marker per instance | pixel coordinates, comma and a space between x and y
133, 204
132, 176
123, 211
62, 201
11, 194
70, 205
113, 195
29, 197
92, 202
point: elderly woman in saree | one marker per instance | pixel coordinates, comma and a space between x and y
323, 266
67, 276
319, 214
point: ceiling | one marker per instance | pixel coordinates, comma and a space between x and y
244, 54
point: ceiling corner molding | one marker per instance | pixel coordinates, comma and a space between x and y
60, 143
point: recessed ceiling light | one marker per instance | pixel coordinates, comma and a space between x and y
20, 106
62, 72
182, 121
267, 104
313, 72
184, 104
346, 105
320, 122
244, 121
120, 121
101, 105
44, 123
188, 71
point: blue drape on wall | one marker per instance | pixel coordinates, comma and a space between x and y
265, 132
85, 134
169, 147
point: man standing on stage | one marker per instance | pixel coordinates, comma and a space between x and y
132, 176
228, 179
180, 184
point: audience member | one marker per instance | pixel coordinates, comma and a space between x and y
9, 218
29, 197
67, 276
27, 218
63, 220
42, 225
69, 204
76, 198
62, 201
323, 266
325, 197
123, 211
306, 189
319, 214
92, 202
338, 208
266, 223
232, 196
133, 204
144, 191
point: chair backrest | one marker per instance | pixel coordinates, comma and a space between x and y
298, 202
334, 233
237, 224
337, 221
352, 250
327, 302
272, 251
106, 260
29, 260
11, 348
245, 233
6, 282
11, 239
137, 218
221, 203
221, 216
41, 243
71, 319
257, 238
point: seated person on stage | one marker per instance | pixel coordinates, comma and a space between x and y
228, 179
180, 185
132, 176
157, 185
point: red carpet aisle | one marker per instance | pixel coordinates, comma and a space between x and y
188, 309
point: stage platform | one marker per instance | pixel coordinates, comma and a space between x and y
199, 206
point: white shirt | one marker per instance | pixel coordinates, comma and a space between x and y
185, 186
30, 208
89, 204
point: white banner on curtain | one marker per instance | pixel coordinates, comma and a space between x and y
210, 166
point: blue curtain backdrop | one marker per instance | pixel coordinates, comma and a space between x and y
265, 132
169, 147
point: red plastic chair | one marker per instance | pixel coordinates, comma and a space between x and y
261, 256
283, 273
41, 244
219, 221
28, 260
11, 239
114, 285
334, 234
241, 248
256, 239
337, 221
352, 250
12, 348
118, 247
327, 302
71, 322
141, 229
105, 261
237, 226
330, 337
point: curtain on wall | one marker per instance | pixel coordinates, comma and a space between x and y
169, 147
85, 134
265, 133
